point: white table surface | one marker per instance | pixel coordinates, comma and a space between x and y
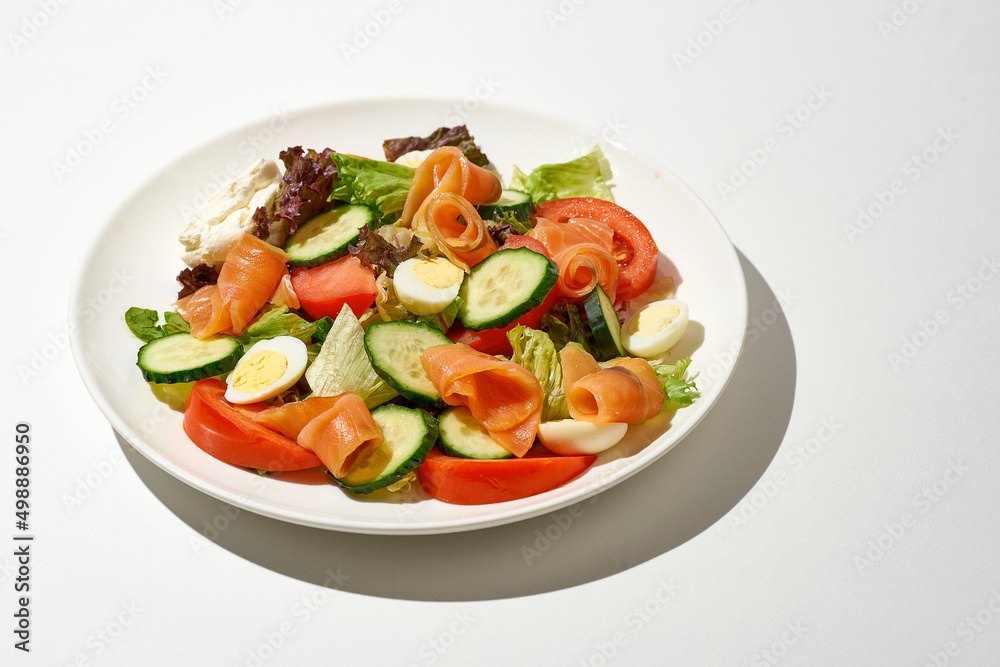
837, 507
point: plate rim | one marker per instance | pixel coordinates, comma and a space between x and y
427, 527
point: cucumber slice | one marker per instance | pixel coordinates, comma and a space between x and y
181, 357
602, 320
511, 201
504, 286
325, 238
409, 435
461, 435
394, 349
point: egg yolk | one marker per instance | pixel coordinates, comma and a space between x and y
258, 371
655, 318
437, 272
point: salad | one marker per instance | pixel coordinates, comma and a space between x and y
414, 321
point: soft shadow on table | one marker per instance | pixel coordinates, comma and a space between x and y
673, 500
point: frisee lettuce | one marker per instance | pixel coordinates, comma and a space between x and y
586, 176
678, 390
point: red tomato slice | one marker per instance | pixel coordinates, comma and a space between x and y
494, 341
323, 291
519, 241
634, 248
229, 433
473, 482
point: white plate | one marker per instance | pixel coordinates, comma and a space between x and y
135, 258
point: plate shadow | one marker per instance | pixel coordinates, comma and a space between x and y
673, 500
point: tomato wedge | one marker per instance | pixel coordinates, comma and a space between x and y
634, 246
229, 433
323, 291
475, 482
494, 341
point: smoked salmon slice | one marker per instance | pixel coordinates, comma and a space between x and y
447, 169
342, 436
502, 396
289, 419
627, 391
204, 312
458, 230
249, 276
584, 253
284, 293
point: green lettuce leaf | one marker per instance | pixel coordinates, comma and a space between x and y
445, 318
277, 322
142, 323
678, 390
174, 323
323, 326
582, 177
342, 364
564, 325
383, 186
535, 351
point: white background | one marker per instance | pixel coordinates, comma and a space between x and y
838, 505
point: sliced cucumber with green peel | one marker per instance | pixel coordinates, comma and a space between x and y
394, 349
511, 201
504, 286
605, 328
325, 237
181, 357
409, 435
461, 435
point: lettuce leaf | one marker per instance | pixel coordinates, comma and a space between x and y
375, 251
445, 318
277, 322
342, 364
678, 390
383, 186
582, 177
457, 136
305, 190
535, 351
142, 322
564, 325
191, 280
